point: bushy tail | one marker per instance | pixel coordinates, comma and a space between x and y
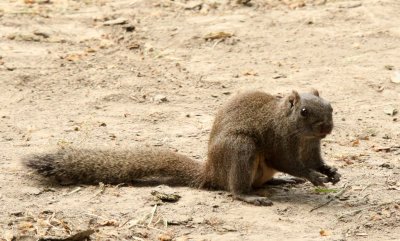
92, 166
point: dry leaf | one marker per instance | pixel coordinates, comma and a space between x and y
80, 236
323, 232
105, 43
218, 35
25, 226
250, 73
298, 4
109, 223
73, 57
278, 76
164, 237
389, 67
349, 159
133, 45
91, 50
355, 143
165, 197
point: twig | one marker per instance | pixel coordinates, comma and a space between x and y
158, 220
355, 212
330, 200
217, 42
152, 215
73, 191
142, 226
102, 188
352, 213
96, 216
300, 25
127, 221
369, 185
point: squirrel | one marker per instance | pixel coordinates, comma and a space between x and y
254, 136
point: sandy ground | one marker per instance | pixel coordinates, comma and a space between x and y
121, 73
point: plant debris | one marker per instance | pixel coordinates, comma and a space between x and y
218, 35
81, 236
325, 190
166, 197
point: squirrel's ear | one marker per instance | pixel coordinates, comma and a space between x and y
294, 98
315, 92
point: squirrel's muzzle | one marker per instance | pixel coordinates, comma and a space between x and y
325, 128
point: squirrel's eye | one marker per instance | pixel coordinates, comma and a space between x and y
304, 112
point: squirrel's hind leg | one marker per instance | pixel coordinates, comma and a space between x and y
243, 165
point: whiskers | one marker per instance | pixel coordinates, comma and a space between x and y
295, 132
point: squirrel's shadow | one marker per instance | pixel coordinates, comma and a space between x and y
149, 182
292, 193
283, 193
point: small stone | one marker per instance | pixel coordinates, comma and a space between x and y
129, 28
390, 111
396, 77
32, 191
389, 67
160, 98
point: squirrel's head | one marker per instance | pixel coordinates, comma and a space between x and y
312, 114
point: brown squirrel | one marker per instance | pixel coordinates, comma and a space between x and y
254, 136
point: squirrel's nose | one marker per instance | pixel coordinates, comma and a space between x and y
326, 128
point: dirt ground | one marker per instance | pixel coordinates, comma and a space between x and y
103, 73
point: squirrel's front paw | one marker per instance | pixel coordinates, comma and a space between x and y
334, 177
317, 178
331, 172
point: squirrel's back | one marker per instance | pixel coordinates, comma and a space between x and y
91, 166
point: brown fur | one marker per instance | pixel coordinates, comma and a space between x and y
253, 136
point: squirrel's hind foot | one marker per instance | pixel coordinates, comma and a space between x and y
255, 200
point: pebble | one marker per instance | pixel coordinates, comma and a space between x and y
160, 98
